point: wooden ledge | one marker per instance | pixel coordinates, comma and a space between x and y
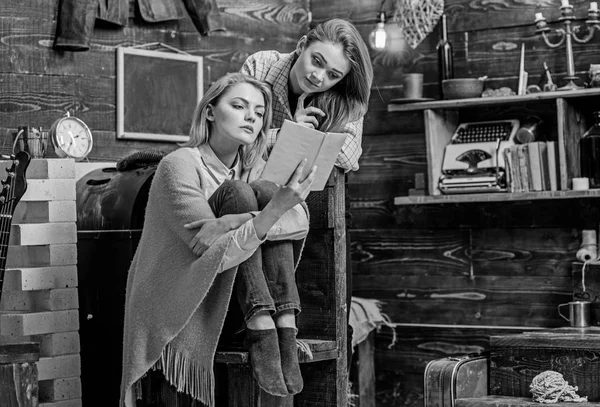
321, 350
506, 401
495, 197
494, 101
19, 352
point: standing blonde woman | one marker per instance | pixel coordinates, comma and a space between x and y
324, 84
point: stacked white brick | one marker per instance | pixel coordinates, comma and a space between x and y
39, 298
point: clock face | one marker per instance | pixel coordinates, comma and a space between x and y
73, 137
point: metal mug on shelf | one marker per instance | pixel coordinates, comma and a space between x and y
579, 313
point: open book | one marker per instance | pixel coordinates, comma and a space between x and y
296, 142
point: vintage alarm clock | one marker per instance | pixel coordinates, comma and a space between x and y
71, 137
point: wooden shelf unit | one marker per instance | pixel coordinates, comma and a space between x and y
566, 116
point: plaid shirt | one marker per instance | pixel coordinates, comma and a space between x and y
274, 68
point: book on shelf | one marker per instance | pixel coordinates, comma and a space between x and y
552, 166
515, 177
532, 167
523, 154
544, 171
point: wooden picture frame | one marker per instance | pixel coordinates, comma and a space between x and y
157, 93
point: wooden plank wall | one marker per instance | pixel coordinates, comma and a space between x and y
38, 84
451, 275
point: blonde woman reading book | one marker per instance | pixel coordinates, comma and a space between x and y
214, 231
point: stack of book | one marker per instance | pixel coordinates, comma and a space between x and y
532, 167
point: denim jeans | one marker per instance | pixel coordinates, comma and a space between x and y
266, 281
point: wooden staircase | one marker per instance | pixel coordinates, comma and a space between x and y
322, 324
243, 389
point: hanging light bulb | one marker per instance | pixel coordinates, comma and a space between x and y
378, 37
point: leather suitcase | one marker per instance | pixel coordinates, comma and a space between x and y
455, 377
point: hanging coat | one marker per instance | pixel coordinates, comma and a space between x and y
76, 18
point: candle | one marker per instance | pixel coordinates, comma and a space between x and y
593, 6
539, 16
564, 3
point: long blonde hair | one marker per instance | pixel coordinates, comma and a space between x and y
200, 130
348, 100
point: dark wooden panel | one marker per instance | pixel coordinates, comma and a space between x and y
357, 11
464, 15
238, 15
38, 100
467, 15
29, 46
494, 52
412, 252
472, 306
478, 288
486, 300
491, 277
387, 169
320, 389
379, 121
34, 9
449, 252
583, 213
317, 287
398, 389
524, 252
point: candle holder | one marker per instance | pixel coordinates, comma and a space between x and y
568, 35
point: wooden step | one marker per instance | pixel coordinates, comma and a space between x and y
321, 350
243, 390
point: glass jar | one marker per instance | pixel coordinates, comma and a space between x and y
589, 153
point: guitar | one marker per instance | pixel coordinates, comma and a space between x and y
13, 188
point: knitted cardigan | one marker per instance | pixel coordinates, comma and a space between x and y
176, 302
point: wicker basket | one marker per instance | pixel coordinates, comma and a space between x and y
418, 18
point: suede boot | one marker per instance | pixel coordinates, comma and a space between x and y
266, 360
289, 359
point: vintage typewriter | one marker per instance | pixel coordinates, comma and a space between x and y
473, 160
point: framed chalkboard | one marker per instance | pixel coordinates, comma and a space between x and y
157, 93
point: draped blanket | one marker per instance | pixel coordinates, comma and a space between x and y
176, 302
